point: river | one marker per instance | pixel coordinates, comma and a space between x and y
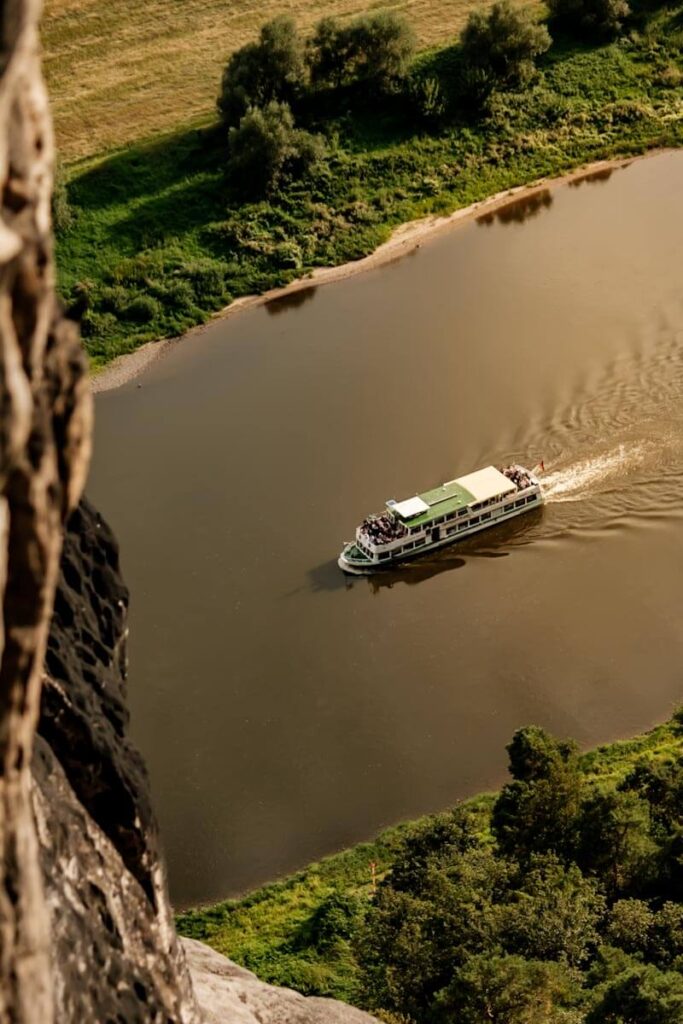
285, 711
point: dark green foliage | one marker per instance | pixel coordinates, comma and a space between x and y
458, 932
629, 925
641, 995
538, 811
506, 990
552, 913
330, 53
590, 19
413, 940
266, 148
427, 98
271, 69
374, 49
336, 919
503, 43
615, 842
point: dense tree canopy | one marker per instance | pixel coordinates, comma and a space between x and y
501, 44
562, 916
374, 49
267, 147
270, 69
592, 19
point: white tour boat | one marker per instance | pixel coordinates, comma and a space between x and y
459, 508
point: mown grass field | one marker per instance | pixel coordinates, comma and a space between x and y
119, 72
160, 240
272, 930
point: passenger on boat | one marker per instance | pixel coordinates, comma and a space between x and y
517, 476
382, 529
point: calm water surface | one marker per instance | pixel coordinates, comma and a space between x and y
285, 712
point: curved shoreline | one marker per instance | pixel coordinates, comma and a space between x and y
402, 240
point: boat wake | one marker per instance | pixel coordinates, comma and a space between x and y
574, 481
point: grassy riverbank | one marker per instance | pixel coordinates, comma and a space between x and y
302, 931
159, 241
119, 72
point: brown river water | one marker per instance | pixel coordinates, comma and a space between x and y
285, 711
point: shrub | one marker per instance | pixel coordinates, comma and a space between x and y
266, 148
141, 310
503, 44
427, 98
375, 49
384, 44
591, 19
330, 53
271, 69
207, 278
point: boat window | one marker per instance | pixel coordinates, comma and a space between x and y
531, 498
486, 515
519, 503
474, 519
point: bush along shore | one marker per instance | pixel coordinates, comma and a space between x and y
324, 145
557, 901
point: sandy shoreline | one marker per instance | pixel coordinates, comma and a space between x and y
403, 240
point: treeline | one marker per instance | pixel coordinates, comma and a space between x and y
268, 85
569, 912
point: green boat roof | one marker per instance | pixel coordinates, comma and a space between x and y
442, 501
451, 496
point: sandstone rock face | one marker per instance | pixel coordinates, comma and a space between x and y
115, 955
226, 992
45, 429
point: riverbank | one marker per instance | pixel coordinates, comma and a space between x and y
275, 930
402, 241
159, 240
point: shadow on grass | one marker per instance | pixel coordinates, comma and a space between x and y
187, 205
145, 169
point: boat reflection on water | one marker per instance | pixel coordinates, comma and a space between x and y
497, 542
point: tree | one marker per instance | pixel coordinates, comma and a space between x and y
629, 925
506, 990
666, 940
374, 49
641, 995
538, 811
266, 148
271, 69
614, 841
416, 935
592, 19
503, 44
330, 53
384, 44
554, 913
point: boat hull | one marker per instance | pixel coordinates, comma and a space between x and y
366, 567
